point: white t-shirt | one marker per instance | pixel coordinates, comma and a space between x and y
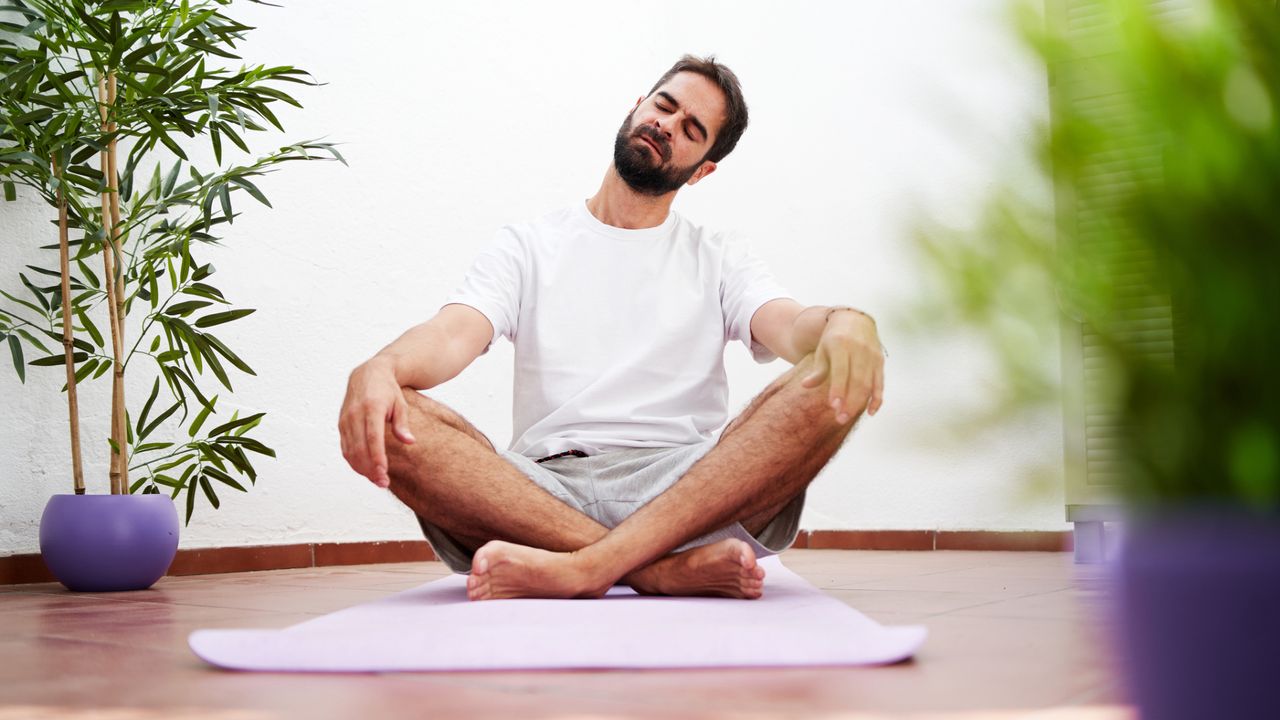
619, 334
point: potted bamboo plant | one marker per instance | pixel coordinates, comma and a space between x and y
99, 103
1160, 244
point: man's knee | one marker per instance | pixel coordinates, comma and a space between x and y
814, 400
430, 410
426, 414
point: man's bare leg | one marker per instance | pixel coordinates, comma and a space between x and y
771, 455
454, 478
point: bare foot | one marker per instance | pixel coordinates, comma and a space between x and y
723, 569
506, 570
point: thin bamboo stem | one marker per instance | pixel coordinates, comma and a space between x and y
108, 265
117, 345
68, 346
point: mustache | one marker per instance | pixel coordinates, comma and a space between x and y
663, 147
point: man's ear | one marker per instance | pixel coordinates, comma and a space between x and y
704, 170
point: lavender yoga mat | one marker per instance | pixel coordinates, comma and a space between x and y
435, 627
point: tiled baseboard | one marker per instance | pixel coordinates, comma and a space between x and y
17, 569
935, 540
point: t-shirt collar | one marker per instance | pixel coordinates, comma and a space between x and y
585, 216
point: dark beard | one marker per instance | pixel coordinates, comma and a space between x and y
637, 166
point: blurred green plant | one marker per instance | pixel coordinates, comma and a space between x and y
1161, 238
61, 62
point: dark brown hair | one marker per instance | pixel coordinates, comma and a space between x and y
735, 106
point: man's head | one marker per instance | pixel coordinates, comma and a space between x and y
690, 120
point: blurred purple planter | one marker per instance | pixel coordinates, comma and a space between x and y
102, 543
1198, 595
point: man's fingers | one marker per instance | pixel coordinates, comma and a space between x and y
400, 422
840, 385
377, 449
877, 391
819, 373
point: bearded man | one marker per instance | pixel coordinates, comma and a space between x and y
620, 310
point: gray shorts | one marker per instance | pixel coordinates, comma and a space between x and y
609, 487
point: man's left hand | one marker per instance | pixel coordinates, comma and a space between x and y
850, 354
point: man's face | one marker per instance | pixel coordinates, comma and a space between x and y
663, 141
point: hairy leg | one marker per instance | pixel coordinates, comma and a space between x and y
454, 478
763, 460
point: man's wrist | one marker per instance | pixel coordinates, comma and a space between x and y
387, 361
837, 308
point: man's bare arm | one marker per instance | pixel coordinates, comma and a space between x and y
846, 349
437, 350
424, 357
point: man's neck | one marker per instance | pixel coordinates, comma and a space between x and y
616, 204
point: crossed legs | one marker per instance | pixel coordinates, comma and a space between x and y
453, 478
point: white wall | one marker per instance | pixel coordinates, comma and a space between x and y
460, 117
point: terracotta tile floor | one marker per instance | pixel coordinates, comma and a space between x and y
1011, 635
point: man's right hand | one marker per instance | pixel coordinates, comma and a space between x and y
373, 399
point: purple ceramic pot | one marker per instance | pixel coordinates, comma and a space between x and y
101, 543
1199, 613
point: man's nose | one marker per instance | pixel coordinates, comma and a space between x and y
664, 125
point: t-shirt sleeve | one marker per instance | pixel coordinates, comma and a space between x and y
745, 285
493, 284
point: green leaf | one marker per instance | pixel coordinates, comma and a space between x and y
222, 317
134, 487
11, 191
24, 303
169, 356
154, 288
224, 198
216, 138
191, 497
159, 419
252, 190
337, 155
90, 328
85, 369
167, 481
174, 463
244, 464
152, 446
223, 477
35, 291
208, 490
171, 178
229, 426
208, 454
15, 348
249, 444
93, 279
163, 136
53, 360
146, 408
214, 363
31, 338
200, 418
217, 345
183, 309
228, 453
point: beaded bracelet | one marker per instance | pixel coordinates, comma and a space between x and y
867, 315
